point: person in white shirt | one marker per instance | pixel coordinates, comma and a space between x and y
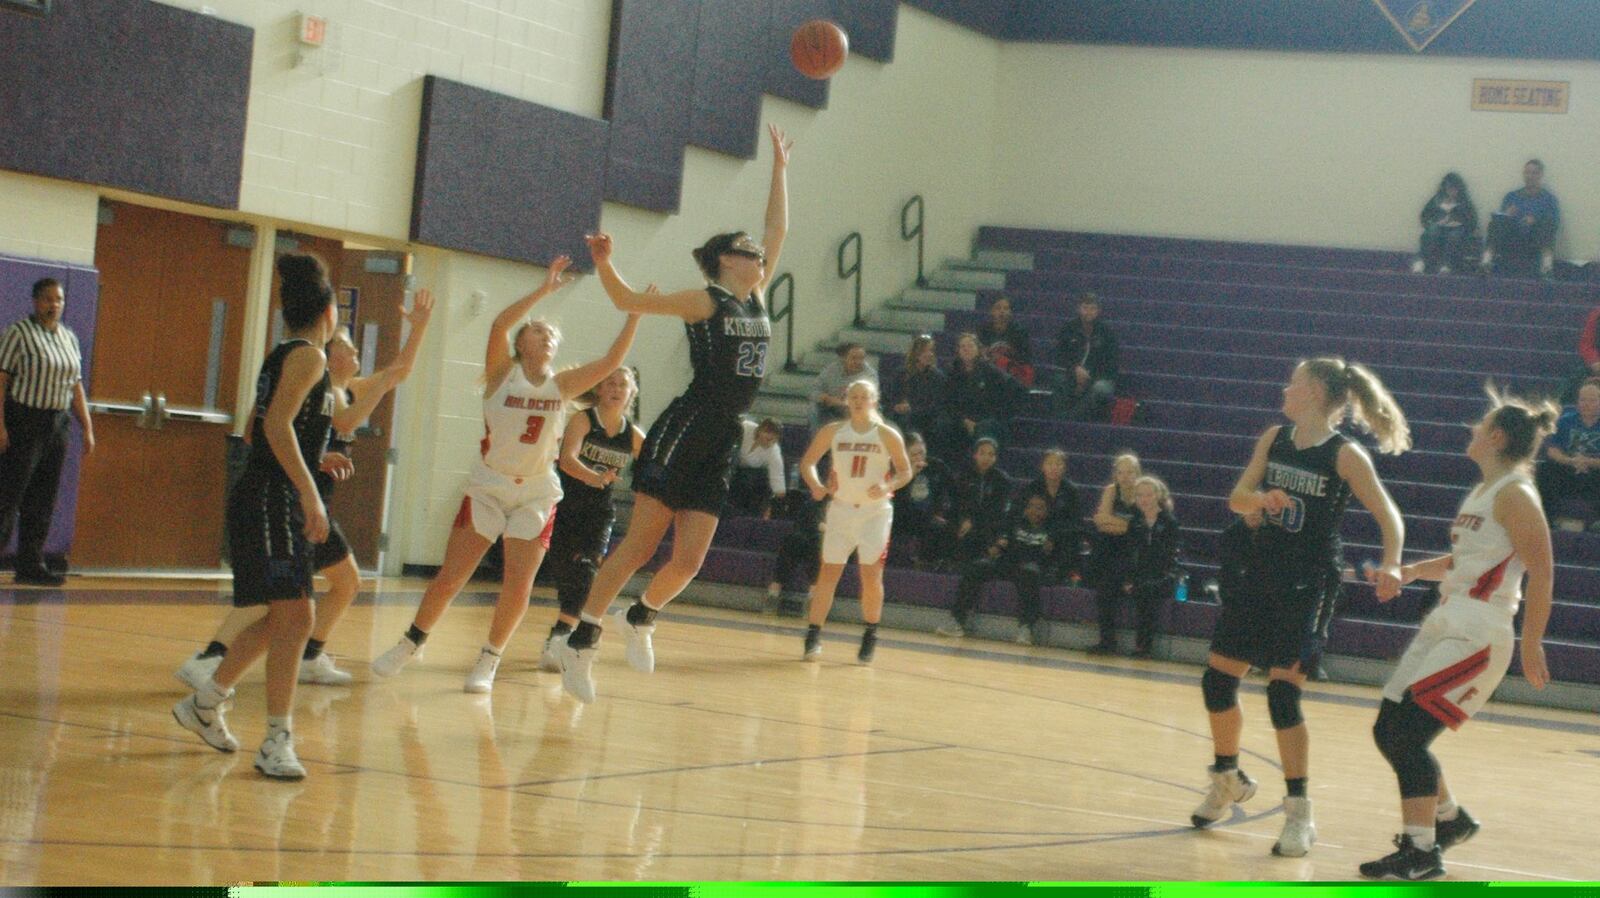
758, 481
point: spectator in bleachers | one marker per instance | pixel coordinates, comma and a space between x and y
758, 480
1109, 557
1060, 495
975, 398
923, 533
983, 498
1523, 230
1018, 553
1001, 328
794, 567
1153, 572
1570, 471
827, 393
1087, 351
1589, 352
1449, 228
916, 399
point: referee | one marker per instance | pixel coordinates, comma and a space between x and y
41, 375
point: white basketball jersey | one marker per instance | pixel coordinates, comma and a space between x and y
1483, 565
859, 461
522, 426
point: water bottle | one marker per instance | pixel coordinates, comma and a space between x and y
1182, 594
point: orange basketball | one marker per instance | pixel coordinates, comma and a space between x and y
818, 48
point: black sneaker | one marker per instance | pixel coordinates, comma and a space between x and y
869, 646
813, 650
40, 577
1447, 834
1410, 863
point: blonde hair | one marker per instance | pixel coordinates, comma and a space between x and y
873, 414
516, 338
1163, 495
590, 398
1525, 422
1354, 389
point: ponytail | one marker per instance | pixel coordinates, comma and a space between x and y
1525, 422
1371, 406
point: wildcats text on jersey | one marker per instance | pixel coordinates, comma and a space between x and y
746, 327
857, 447
1296, 480
533, 403
1469, 521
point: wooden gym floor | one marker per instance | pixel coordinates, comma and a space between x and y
943, 761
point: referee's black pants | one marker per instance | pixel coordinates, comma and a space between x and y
30, 474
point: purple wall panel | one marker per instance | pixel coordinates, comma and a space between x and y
783, 80
730, 70
504, 177
107, 92
870, 24
649, 89
991, 17
83, 297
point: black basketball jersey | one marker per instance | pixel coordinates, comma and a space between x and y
1308, 530
312, 422
603, 452
337, 442
728, 352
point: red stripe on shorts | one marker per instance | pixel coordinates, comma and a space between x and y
464, 515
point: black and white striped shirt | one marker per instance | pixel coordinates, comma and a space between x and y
43, 366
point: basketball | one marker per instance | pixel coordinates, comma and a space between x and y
818, 48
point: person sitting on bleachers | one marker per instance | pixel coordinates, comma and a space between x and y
975, 399
1018, 553
916, 398
794, 566
758, 479
922, 533
827, 392
1589, 353
1060, 495
1154, 538
1002, 328
1449, 228
983, 497
1087, 350
1570, 471
1523, 230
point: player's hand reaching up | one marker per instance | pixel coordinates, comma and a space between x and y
781, 144
599, 246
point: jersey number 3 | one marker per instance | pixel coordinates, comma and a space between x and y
752, 360
535, 427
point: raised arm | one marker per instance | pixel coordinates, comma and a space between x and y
301, 371
690, 305
777, 221
1355, 466
1517, 510
370, 390
577, 381
497, 356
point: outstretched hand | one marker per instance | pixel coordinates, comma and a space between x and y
556, 275
781, 144
421, 309
599, 246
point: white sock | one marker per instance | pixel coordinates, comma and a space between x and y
588, 618
492, 650
276, 725
1421, 836
1447, 810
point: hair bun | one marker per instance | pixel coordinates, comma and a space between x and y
300, 268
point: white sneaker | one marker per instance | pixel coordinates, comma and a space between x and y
320, 671
577, 669
207, 723
640, 653
1024, 636
389, 663
1228, 787
1298, 831
277, 760
1418, 266
480, 678
197, 671
954, 631
547, 659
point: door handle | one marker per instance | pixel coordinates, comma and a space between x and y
197, 415
158, 412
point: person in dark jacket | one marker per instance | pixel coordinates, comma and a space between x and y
1002, 328
1065, 517
916, 396
1449, 229
1019, 554
924, 533
983, 498
975, 398
1087, 350
794, 567
1151, 571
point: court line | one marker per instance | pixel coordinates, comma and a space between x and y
757, 762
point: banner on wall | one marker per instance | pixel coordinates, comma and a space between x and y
1502, 95
1420, 21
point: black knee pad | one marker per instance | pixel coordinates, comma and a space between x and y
1283, 704
1220, 689
1403, 733
572, 591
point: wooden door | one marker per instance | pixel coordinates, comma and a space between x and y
379, 290
173, 298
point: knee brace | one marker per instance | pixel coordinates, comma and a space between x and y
572, 590
1403, 733
1283, 704
1220, 689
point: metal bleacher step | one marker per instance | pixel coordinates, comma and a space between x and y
994, 260
913, 321
935, 300
877, 342
785, 409
959, 279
